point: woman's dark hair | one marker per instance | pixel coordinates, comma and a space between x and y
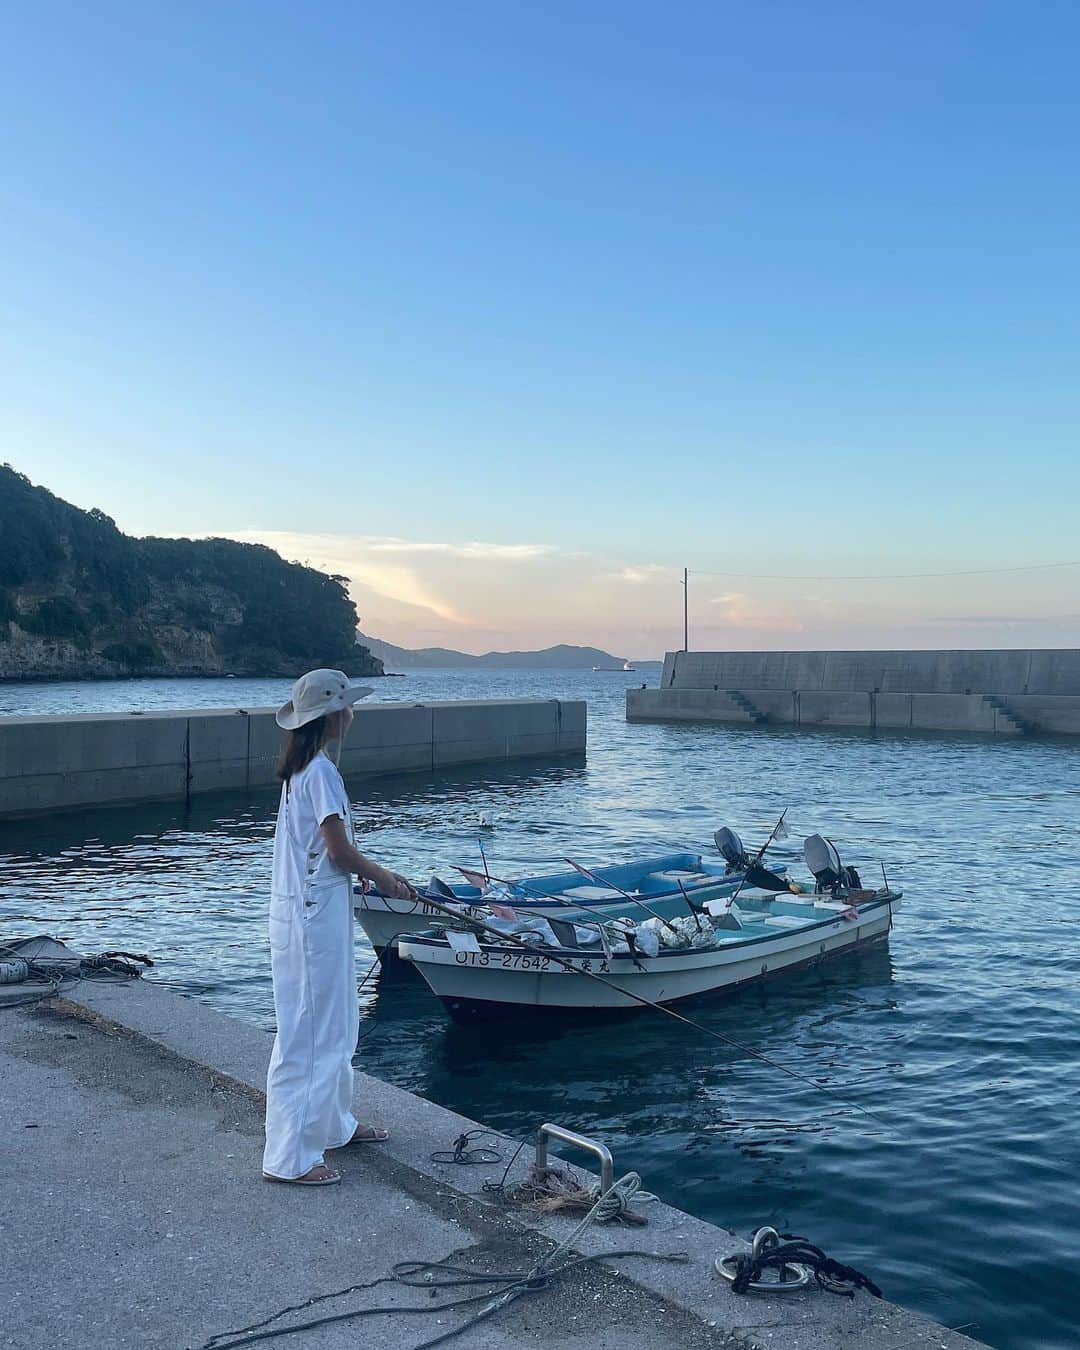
300, 748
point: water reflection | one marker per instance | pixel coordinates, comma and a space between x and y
584, 1056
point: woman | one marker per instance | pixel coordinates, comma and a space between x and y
310, 1082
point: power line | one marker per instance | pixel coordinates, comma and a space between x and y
883, 576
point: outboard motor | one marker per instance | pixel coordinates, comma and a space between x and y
824, 861
731, 850
735, 855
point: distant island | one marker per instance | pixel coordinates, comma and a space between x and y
81, 600
562, 657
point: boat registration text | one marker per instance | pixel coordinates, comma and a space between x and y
529, 961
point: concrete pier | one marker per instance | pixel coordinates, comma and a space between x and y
1002, 693
134, 1214
50, 764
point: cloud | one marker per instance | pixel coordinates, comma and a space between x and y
351, 557
474, 549
638, 575
741, 611
480, 594
990, 620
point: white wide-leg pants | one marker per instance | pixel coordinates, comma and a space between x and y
309, 1085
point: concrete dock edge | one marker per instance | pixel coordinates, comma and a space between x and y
236, 1054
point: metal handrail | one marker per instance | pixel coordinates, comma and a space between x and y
593, 1146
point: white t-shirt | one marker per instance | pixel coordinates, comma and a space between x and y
307, 799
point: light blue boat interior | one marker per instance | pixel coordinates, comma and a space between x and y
651, 878
644, 876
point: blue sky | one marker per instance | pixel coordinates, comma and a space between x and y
511, 310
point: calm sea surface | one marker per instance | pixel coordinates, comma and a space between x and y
961, 1035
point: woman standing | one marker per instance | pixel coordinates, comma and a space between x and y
310, 1082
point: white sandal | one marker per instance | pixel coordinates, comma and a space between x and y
330, 1179
367, 1134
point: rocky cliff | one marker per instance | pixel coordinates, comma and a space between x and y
81, 600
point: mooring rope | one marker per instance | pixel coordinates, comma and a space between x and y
504, 1287
789, 1252
48, 975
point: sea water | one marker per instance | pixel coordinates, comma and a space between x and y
959, 1195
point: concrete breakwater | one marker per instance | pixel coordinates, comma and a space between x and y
68, 763
1005, 693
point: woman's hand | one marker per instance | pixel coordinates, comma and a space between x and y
406, 886
393, 886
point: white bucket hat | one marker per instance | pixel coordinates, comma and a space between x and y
317, 693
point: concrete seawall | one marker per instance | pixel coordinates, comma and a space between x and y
68, 763
133, 1120
1004, 693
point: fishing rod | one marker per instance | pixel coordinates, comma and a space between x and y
603, 881
564, 900
472, 876
689, 904
658, 1007
773, 833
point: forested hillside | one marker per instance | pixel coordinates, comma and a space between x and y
80, 599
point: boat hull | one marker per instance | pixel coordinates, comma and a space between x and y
384, 925
467, 1011
499, 980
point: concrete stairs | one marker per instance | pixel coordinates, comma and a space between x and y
1014, 724
747, 705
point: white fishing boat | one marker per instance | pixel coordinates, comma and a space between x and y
481, 973
668, 885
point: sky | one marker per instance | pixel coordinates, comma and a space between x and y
509, 312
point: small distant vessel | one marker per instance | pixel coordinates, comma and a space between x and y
625, 666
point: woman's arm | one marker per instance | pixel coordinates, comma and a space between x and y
343, 855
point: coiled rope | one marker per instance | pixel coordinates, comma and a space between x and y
794, 1260
551, 1190
465, 1154
48, 973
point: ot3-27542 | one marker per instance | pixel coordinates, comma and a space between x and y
528, 961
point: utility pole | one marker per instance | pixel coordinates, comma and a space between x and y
686, 609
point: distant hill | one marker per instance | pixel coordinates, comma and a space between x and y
562, 657
81, 600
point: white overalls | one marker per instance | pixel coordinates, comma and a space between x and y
309, 1085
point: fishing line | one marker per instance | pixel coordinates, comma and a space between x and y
365, 1032
760, 853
